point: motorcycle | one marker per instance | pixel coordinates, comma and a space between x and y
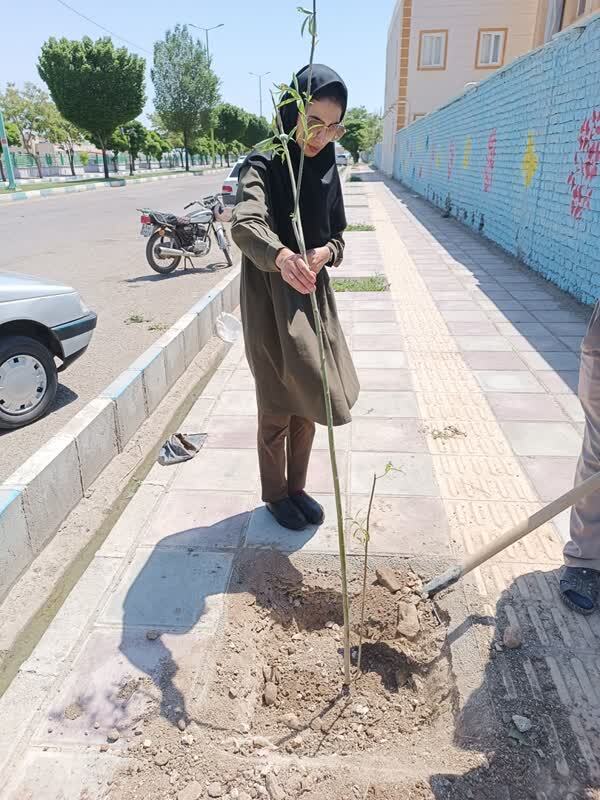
171, 238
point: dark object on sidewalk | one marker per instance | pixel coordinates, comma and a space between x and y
288, 515
181, 447
579, 589
566, 500
309, 507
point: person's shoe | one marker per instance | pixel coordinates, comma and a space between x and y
311, 510
579, 588
288, 515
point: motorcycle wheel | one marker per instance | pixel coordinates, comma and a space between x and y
161, 265
225, 246
228, 257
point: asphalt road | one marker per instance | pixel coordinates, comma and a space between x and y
92, 241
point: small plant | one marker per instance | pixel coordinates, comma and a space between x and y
377, 283
135, 319
359, 227
158, 326
355, 179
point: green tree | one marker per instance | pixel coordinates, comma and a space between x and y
257, 129
136, 134
156, 146
12, 134
95, 86
186, 88
363, 131
29, 109
231, 125
64, 134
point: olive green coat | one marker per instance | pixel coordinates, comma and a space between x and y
279, 327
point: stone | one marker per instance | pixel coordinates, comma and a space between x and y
512, 637
103, 748
244, 796
152, 635
147, 744
262, 741
522, 724
267, 673
113, 735
273, 788
215, 790
187, 739
193, 791
233, 692
317, 724
360, 710
408, 623
270, 694
292, 722
162, 758
181, 724
388, 578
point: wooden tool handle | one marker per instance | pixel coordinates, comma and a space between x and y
592, 484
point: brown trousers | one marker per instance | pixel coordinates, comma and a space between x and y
284, 447
583, 549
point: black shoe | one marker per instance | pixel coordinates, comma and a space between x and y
288, 515
311, 510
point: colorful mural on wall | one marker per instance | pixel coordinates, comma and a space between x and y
451, 157
530, 163
586, 159
467, 152
488, 172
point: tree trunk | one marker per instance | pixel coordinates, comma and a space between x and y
105, 162
38, 163
130, 164
71, 157
228, 164
2, 177
160, 163
115, 161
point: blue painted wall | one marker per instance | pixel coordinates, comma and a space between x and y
518, 159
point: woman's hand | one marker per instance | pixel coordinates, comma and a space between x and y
295, 271
318, 257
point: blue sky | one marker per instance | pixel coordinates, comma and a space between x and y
259, 35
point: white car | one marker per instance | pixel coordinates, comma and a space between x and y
40, 321
230, 185
342, 158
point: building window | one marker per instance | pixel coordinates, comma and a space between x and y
491, 45
432, 49
581, 7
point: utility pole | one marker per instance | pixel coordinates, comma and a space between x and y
206, 30
10, 174
260, 77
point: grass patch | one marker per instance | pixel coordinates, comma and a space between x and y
136, 319
359, 227
375, 284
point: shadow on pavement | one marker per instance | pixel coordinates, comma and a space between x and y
216, 266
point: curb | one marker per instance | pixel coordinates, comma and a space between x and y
91, 186
38, 496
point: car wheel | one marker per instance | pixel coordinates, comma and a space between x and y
28, 381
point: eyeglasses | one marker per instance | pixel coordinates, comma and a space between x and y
331, 132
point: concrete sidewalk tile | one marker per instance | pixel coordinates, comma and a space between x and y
241, 403
469, 438
481, 478
341, 437
379, 359
551, 476
231, 432
376, 435
219, 470
320, 480
373, 380
196, 419
507, 360
567, 328
126, 531
18, 706
474, 315
521, 329
169, 589
550, 361
388, 315
507, 381
242, 380
572, 406
536, 343
476, 329
405, 525
413, 474
483, 343
377, 341
63, 776
264, 531
542, 438
522, 407
115, 678
379, 328
560, 382
386, 405
217, 383
198, 520
573, 342
455, 407
509, 315
555, 315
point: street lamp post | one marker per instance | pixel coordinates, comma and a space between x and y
206, 31
7, 159
260, 77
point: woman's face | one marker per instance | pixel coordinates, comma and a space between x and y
323, 122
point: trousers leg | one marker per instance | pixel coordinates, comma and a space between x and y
583, 549
272, 435
299, 447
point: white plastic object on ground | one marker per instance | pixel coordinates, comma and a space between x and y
228, 327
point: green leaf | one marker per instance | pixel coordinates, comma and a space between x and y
304, 10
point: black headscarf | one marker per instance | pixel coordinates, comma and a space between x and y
321, 199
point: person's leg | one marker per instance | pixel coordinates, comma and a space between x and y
582, 551
299, 448
273, 431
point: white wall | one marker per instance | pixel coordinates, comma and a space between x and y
392, 76
463, 19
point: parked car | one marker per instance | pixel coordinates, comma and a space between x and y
40, 322
342, 158
230, 185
